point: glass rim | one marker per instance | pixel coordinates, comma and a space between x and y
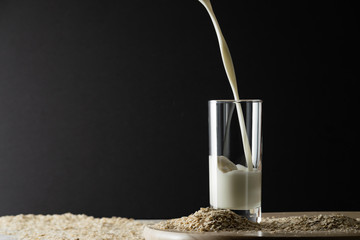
236, 101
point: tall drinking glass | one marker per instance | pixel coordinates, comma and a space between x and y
235, 156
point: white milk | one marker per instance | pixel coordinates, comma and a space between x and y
238, 189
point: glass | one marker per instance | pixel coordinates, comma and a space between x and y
235, 155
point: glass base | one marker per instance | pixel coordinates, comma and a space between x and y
253, 215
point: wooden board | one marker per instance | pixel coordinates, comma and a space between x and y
154, 234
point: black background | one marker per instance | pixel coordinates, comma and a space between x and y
103, 104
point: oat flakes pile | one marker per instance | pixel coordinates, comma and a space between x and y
75, 227
212, 220
70, 227
209, 220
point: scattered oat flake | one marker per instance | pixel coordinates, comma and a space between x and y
332, 222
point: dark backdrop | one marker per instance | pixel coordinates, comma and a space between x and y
103, 104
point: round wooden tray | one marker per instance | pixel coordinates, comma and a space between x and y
154, 234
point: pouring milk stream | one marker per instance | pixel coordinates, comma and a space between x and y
233, 186
230, 72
